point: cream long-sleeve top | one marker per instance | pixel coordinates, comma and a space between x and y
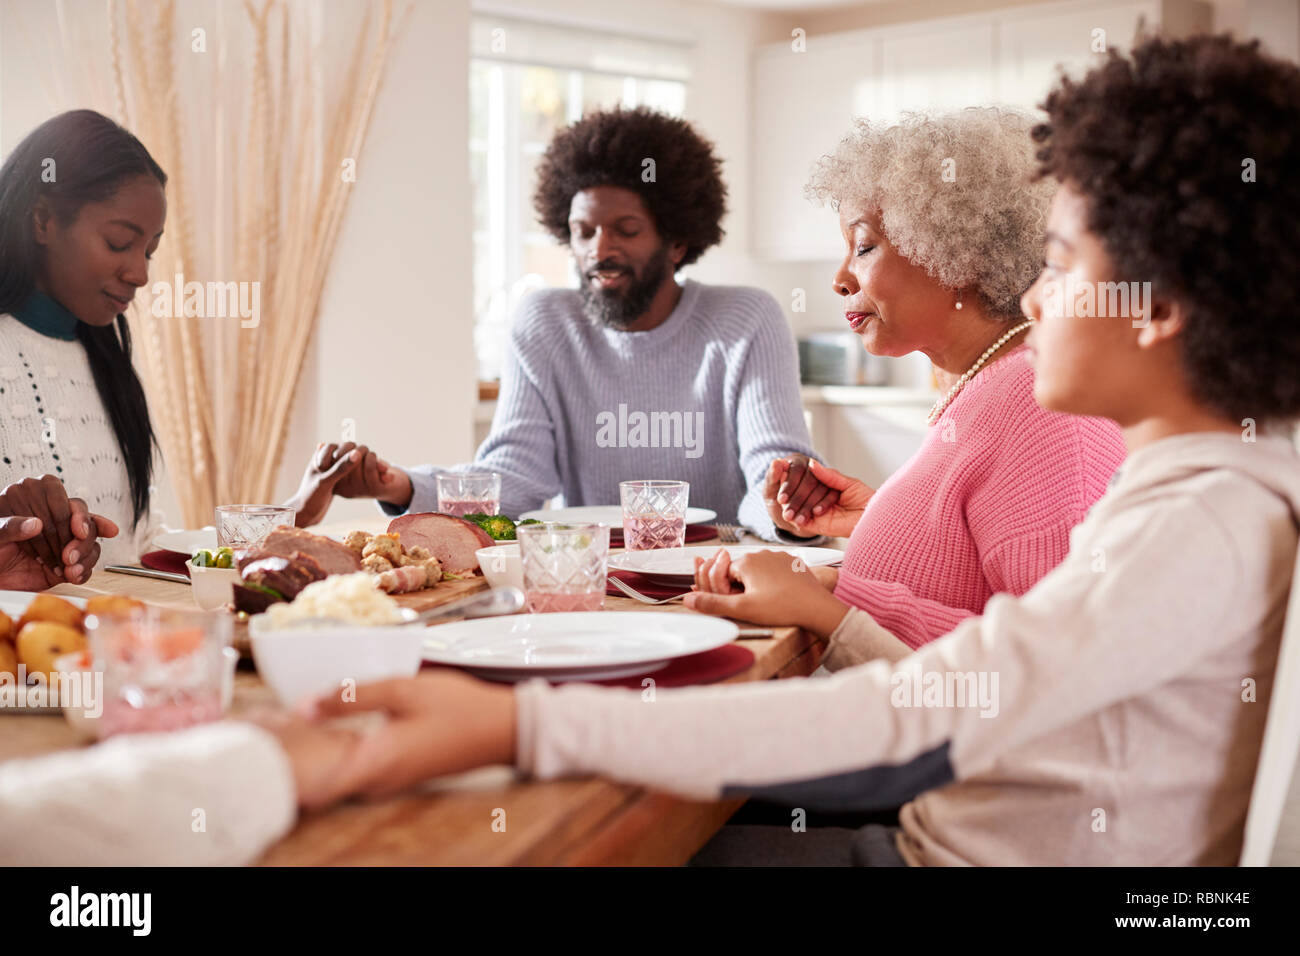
52, 421
214, 795
1111, 715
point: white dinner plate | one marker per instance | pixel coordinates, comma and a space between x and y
680, 562
611, 515
14, 603
581, 645
187, 542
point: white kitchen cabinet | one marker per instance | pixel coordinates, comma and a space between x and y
803, 106
944, 65
1033, 45
804, 103
868, 433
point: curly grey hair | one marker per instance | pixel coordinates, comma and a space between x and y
956, 195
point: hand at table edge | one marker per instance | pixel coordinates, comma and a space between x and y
438, 723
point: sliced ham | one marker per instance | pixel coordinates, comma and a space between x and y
451, 540
333, 556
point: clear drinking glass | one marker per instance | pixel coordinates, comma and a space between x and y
564, 565
163, 669
469, 493
654, 514
246, 526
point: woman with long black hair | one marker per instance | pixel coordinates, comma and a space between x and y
82, 208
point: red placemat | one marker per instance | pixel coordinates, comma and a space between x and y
694, 534
172, 561
650, 587
707, 667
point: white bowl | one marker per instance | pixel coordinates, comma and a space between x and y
300, 662
502, 565
212, 587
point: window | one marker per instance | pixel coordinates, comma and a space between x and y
527, 80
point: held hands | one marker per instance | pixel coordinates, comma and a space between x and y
47, 538
766, 587
807, 498
437, 723
349, 471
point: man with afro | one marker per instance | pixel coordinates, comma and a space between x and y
633, 374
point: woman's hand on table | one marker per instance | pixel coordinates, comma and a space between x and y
765, 587
47, 538
437, 723
807, 498
348, 471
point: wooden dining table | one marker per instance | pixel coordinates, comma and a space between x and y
489, 816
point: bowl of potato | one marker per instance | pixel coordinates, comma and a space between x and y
49, 628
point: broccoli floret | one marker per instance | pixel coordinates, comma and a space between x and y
530, 521
499, 527
476, 517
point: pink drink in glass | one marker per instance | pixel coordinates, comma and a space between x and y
463, 494
564, 565
648, 531
654, 513
120, 717
163, 669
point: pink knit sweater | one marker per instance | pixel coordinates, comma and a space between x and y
985, 505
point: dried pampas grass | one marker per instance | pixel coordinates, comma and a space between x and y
261, 178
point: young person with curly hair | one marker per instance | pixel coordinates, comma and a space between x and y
636, 195
1118, 676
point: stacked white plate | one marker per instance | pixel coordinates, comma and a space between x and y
582, 645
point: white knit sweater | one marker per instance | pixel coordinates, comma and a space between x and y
52, 421
213, 795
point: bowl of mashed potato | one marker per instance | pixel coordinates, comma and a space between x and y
300, 656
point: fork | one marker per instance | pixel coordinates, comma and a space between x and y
731, 533
638, 596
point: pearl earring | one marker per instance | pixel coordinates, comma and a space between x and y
958, 300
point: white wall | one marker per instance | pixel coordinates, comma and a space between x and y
394, 351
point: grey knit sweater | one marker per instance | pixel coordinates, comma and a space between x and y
710, 396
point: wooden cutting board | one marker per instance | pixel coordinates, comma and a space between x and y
442, 593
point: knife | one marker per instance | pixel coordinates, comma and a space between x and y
147, 573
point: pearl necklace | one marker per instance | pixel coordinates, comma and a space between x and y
944, 402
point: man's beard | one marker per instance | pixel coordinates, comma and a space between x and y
618, 310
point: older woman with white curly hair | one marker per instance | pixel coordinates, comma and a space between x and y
943, 230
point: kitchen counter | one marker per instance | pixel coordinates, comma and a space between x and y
872, 395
